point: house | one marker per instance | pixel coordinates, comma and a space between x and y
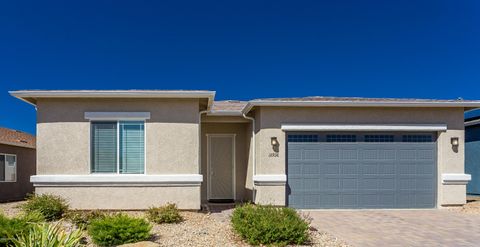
131, 149
17, 164
472, 153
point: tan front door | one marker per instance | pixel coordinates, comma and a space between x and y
221, 167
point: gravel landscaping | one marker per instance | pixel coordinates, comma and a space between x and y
197, 229
472, 206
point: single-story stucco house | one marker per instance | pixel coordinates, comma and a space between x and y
17, 164
131, 149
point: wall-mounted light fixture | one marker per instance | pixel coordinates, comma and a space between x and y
454, 141
274, 141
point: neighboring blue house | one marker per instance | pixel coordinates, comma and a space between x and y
472, 152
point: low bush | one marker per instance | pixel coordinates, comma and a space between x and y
269, 225
50, 206
118, 229
166, 214
43, 235
11, 227
82, 219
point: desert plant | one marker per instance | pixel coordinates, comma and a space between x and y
82, 219
165, 214
47, 235
11, 227
118, 229
269, 225
50, 206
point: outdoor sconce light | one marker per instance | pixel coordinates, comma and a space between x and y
274, 141
454, 141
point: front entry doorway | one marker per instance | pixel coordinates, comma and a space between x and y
221, 167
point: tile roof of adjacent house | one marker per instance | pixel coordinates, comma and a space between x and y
16, 138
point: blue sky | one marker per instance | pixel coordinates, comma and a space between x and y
241, 49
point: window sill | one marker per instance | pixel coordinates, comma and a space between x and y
117, 180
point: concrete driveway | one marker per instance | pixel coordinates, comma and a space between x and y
400, 227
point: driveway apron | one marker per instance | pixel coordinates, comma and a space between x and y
399, 227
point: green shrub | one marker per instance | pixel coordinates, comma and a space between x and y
11, 227
166, 214
82, 219
46, 235
118, 229
50, 206
268, 225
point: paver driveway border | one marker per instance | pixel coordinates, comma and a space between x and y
432, 227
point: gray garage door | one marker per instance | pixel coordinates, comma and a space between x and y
351, 170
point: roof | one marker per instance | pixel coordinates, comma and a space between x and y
227, 107
360, 99
238, 108
361, 102
17, 138
31, 96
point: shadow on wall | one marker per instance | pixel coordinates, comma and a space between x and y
162, 110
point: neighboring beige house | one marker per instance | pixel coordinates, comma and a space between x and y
131, 149
17, 164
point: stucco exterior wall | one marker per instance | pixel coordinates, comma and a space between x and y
242, 146
125, 198
63, 134
12, 191
172, 144
270, 119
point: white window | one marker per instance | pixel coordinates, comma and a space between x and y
118, 147
8, 168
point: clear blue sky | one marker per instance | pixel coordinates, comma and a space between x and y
241, 49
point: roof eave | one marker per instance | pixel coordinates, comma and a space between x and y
17, 145
31, 96
251, 104
472, 122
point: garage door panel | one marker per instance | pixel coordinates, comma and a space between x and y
361, 174
349, 169
349, 184
294, 155
330, 154
348, 200
377, 153
296, 184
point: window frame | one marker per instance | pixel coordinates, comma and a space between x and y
92, 121
16, 170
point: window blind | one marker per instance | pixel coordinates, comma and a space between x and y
104, 147
132, 150
2, 167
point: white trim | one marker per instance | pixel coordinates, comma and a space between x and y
456, 178
254, 164
364, 127
30, 96
104, 116
225, 113
473, 122
200, 143
117, 180
16, 169
209, 182
353, 103
271, 179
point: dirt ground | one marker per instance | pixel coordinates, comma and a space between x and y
198, 229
